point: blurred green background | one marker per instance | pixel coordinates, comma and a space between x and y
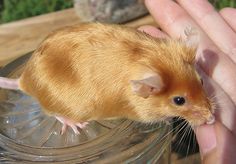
11, 10
223, 3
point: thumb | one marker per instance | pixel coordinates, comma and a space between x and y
206, 138
217, 144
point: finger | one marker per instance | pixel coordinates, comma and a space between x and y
213, 25
171, 18
228, 14
216, 143
206, 138
153, 31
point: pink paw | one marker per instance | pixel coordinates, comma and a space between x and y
66, 122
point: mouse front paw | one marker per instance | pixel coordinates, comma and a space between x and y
68, 123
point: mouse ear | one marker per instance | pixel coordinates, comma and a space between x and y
147, 86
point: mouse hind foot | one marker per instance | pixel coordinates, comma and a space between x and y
68, 123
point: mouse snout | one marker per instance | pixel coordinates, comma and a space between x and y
202, 115
210, 119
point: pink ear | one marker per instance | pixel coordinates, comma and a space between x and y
147, 86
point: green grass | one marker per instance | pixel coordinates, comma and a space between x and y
18, 9
219, 4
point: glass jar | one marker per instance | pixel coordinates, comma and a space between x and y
29, 136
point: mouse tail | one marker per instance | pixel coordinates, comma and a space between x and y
7, 83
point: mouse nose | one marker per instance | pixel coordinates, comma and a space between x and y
210, 120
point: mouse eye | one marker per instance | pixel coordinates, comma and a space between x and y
178, 100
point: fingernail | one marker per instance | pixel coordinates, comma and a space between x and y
206, 138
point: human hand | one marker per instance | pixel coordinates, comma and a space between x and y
216, 56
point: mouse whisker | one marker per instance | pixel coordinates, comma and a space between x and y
194, 141
189, 142
219, 101
182, 132
217, 97
171, 131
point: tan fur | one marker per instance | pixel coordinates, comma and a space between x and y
83, 72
